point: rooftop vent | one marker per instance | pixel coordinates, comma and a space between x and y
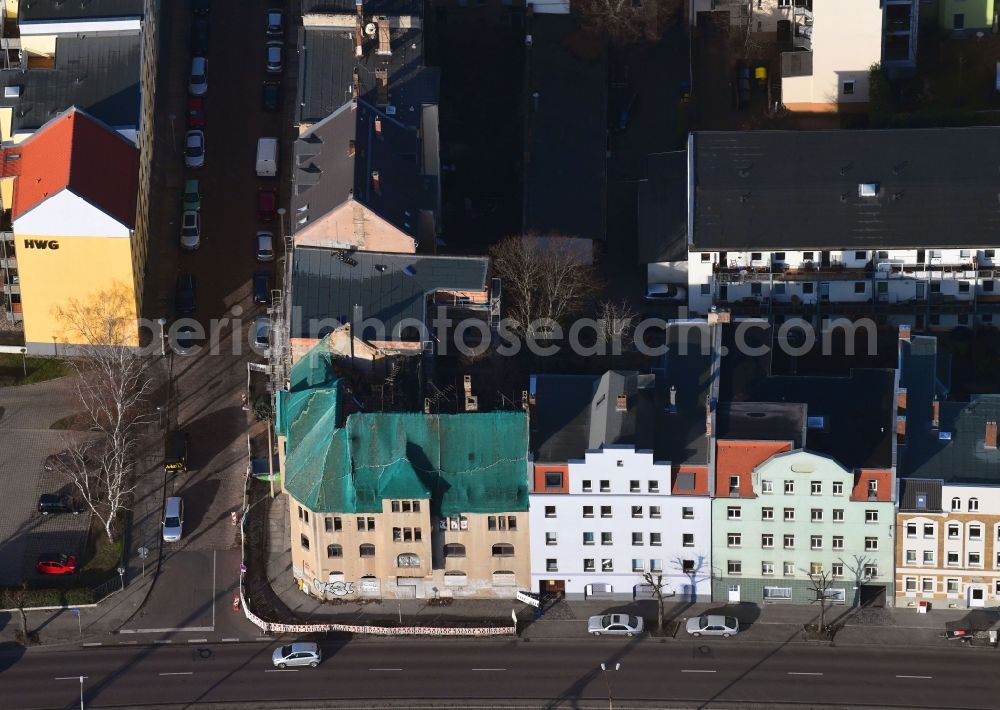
11, 92
815, 422
868, 189
621, 403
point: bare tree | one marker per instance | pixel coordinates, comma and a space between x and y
544, 278
616, 323
858, 567
820, 584
113, 387
19, 595
627, 21
660, 587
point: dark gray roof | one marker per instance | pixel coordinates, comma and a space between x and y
762, 421
566, 134
61, 10
372, 7
98, 73
574, 414
911, 488
327, 65
663, 209
689, 370
386, 287
800, 189
326, 174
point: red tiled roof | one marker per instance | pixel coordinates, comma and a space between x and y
77, 152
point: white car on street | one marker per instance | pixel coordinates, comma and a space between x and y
713, 625
615, 625
190, 230
198, 81
297, 654
194, 149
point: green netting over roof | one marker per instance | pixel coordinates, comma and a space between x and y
462, 463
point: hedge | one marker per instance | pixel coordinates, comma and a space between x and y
47, 597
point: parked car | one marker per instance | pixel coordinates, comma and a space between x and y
199, 36
713, 625
265, 246
200, 7
184, 340
196, 112
198, 81
270, 97
742, 87
262, 332
262, 288
192, 194
190, 230
184, 296
615, 625
194, 149
275, 52
300, 653
175, 456
275, 22
665, 292
173, 519
55, 503
267, 205
56, 563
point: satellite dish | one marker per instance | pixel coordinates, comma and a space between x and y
370, 29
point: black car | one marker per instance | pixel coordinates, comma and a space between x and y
52, 503
200, 7
270, 99
742, 87
199, 36
184, 298
262, 288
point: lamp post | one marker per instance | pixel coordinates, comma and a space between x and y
81, 692
163, 336
607, 681
121, 575
24, 361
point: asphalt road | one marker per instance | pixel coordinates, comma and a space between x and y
706, 674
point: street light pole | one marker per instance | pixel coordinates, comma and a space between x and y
24, 361
163, 336
81, 692
607, 682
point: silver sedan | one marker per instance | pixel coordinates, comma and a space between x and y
615, 625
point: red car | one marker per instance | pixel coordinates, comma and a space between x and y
196, 112
267, 205
56, 563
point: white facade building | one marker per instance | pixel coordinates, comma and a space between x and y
618, 521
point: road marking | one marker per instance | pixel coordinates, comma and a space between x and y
920, 677
282, 670
802, 673
696, 671
179, 673
229, 640
263, 638
387, 669
197, 640
489, 669
162, 641
92, 644
127, 643
213, 590
72, 677
175, 629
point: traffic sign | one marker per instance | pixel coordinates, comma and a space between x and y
143, 552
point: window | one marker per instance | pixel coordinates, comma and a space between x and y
815, 488
551, 538
789, 514
734, 539
755, 288
859, 287
963, 286
588, 511
989, 253
606, 538
588, 565
767, 513
656, 540
929, 529
368, 550
366, 524
654, 511
734, 485
637, 565
687, 566
607, 565
927, 585
935, 286
767, 540
706, 289
766, 487
910, 584
503, 549
406, 506
777, 593
735, 567
838, 488
788, 569
605, 486
588, 538
872, 487
333, 551
816, 515
656, 565
653, 486
951, 586
988, 285
911, 557
587, 486
953, 559
550, 511
848, 88
332, 524
871, 516
807, 287
706, 256
911, 530
928, 557
304, 541
605, 511
779, 289
958, 21
511, 523
871, 543
975, 559
633, 487
838, 542
756, 256
815, 568
491, 523
973, 504
789, 541
871, 570
815, 542
553, 479
416, 506
956, 503
838, 515
789, 487
551, 564
636, 511
397, 534
734, 512
454, 549
686, 513
837, 569
637, 538
975, 532
767, 568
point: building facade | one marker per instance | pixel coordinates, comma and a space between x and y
600, 524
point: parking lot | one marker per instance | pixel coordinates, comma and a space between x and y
26, 413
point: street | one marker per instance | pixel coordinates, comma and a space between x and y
681, 673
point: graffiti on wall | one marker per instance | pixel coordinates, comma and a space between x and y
337, 589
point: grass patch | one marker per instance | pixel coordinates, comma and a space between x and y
39, 369
47, 597
101, 558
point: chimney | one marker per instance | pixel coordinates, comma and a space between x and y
351, 148
901, 399
384, 41
990, 439
467, 384
901, 425
935, 413
708, 416
621, 403
673, 396
524, 400
376, 182
427, 405
359, 28
378, 126
355, 84
471, 403
904, 332
382, 87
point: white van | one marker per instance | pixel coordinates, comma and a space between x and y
173, 520
267, 157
